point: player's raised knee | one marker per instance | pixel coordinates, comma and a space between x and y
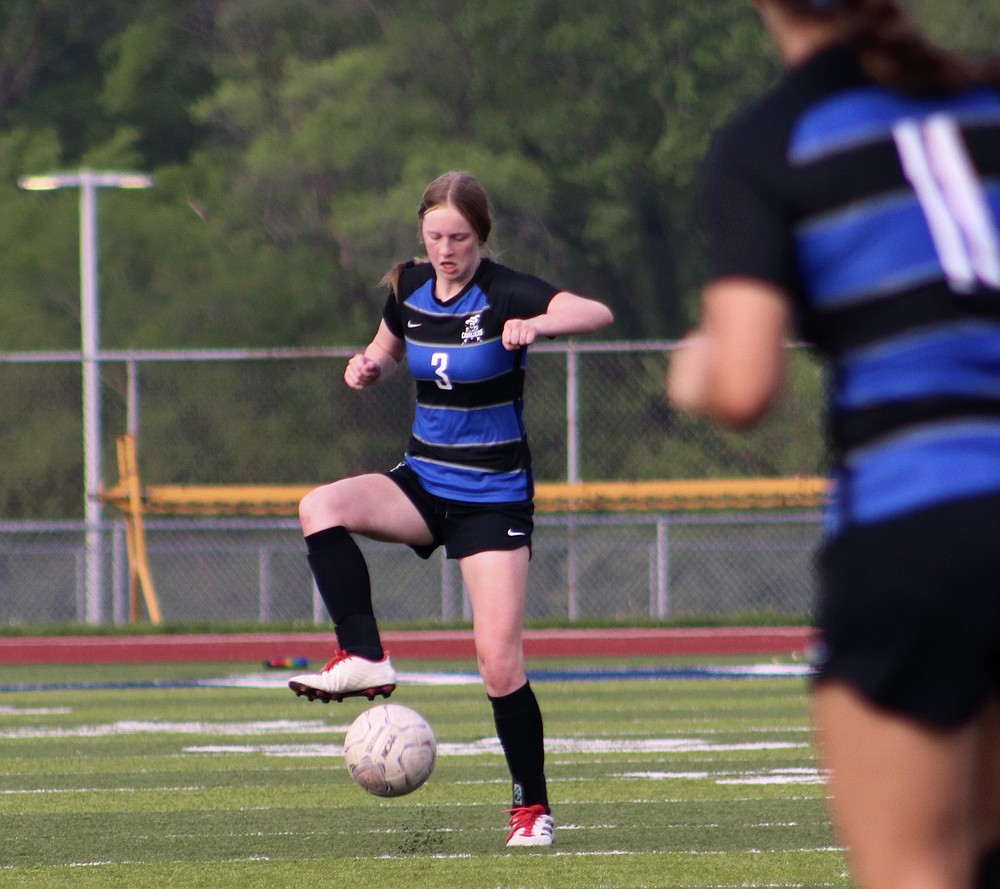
318, 509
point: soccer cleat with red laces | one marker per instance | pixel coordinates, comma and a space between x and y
531, 826
347, 676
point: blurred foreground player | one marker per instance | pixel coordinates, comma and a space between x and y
858, 202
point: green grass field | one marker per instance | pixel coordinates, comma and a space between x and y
653, 783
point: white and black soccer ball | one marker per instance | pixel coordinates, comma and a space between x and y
390, 750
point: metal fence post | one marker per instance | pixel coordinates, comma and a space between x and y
264, 584
447, 590
662, 600
318, 608
132, 398
119, 574
572, 476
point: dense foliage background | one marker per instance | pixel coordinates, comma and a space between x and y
291, 139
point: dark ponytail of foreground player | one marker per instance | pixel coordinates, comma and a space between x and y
893, 51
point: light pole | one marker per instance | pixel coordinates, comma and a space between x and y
88, 181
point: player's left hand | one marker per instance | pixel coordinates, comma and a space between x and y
518, 332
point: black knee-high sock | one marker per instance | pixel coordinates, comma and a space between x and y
989, 870
342, 579
519, 728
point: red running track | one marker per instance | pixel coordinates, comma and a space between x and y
402, 645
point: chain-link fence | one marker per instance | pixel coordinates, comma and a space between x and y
594, 412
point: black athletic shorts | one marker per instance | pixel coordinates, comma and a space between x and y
909, 611
466, 528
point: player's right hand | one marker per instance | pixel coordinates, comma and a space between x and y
361, 371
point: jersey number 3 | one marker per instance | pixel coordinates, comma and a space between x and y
439, 361
951, 194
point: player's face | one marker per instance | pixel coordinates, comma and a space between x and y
452, 247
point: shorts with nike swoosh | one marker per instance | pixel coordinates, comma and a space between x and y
463, 528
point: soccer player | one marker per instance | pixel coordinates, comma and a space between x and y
858, 202
464, 324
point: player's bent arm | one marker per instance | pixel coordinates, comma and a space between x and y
566, 314
731, 368
378, 360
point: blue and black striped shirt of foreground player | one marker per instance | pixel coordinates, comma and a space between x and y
879, 214
468, 441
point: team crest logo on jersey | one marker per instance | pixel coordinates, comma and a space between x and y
473, 332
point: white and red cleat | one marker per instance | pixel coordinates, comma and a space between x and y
531, 826
347, 676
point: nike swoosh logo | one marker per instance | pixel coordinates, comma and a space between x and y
414, 324
512, 533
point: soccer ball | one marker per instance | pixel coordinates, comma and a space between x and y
390, 750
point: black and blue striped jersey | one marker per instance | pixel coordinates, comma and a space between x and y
468, 441
879, 214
